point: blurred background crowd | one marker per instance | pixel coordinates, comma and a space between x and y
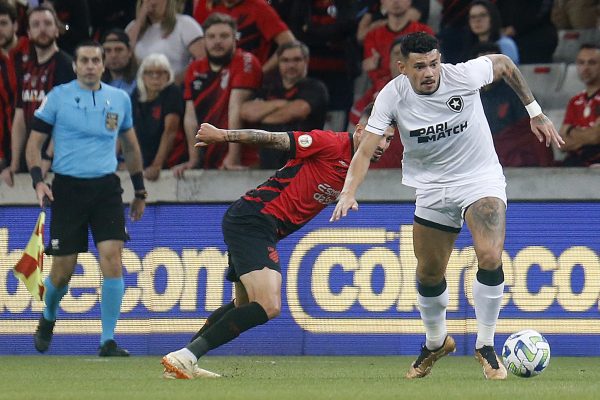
284, 65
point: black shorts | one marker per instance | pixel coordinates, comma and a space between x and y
79, 203
251, 240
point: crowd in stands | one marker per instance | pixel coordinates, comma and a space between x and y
284, 65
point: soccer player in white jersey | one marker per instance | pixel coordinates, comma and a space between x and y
449, 158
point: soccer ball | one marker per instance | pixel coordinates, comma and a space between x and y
526, 353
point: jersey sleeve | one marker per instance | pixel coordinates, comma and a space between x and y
64, 69
247, 73
268, 21
190, 29
187, 81
309, 144
475, 73
127, 115
49, 107
382, 115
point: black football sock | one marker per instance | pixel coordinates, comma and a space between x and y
230, 326
213, 318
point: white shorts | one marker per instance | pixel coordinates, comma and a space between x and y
444, 208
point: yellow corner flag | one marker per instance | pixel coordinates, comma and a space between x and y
30, 266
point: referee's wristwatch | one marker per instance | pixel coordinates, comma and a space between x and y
141, 194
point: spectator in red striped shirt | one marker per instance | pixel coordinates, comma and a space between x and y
11, 50
44, 67
215, 87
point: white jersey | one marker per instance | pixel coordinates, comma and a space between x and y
446, 136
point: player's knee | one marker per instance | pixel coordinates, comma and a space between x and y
430, 278
489, 259
272, 307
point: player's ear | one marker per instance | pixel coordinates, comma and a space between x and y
74, 67
401, 67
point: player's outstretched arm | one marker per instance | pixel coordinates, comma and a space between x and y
541, 126
208, 134
356, 175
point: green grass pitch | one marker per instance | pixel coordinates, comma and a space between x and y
278, 378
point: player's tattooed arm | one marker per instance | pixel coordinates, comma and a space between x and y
506, 69
275, 140
208, 134
541, 126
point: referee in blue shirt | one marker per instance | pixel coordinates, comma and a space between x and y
85, 118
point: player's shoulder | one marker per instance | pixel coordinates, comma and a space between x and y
311, 83
115, 94
255, 5
198, 65
323, 137
114, 91
579, 98
64, 88
396, 88
244, 60
62, 57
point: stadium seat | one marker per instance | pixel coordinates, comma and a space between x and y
570, 86
544, 80
570, 40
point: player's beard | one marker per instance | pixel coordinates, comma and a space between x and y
43, 44
7, 42
225, 59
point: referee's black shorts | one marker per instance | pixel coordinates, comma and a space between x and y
251, 240
79, 203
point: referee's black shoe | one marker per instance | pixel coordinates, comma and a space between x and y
43, 334
111, 349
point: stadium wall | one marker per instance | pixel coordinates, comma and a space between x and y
348, 287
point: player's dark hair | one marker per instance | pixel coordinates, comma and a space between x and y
219, 18
366, 113
43, 8
418, 42
8, 9
484, 48
589, 46
88, 43
294, 44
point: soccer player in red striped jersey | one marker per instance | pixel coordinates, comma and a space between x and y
252, 226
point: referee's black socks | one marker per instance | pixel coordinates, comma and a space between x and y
228, 327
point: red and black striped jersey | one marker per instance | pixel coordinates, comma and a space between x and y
258, 23
210, 91
36, 80
312, 178
9, 70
